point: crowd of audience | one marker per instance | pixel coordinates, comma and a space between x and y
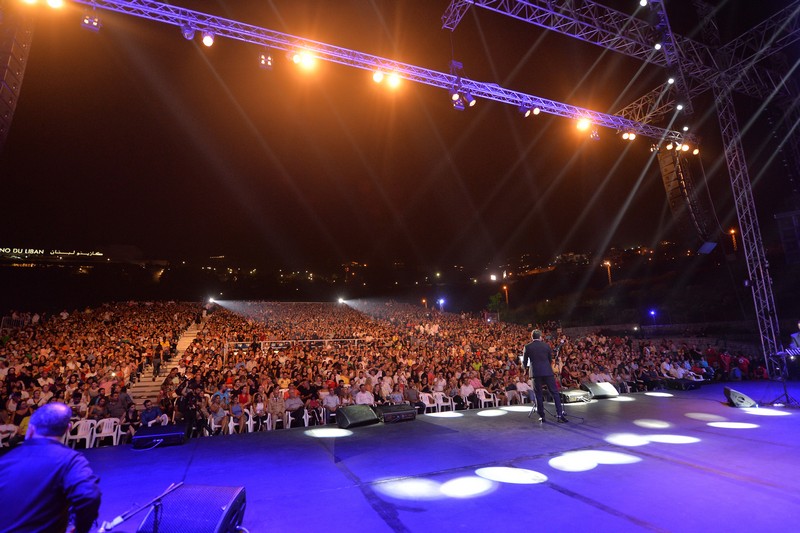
263, 364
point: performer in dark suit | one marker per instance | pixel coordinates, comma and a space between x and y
538, 356
43, 482
795, 342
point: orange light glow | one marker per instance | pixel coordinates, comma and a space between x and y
583, 124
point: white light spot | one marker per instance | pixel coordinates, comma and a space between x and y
764, 412
622, 399
649, 423
445, 414
570, 462
659, 394
705, 417
467, 487
732, 425
504, 474
672, 439
492, 412
327, 433
410, 489
626, 439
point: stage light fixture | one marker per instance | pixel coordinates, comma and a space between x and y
595, 135
208, 38
629, 136
670, 80
643, 3
394, 80
454, 96
304, 59
265, 61
679, 107
90, 22
536, 110
657, 46
188, 32
686, 128
685, 148
377, 76
670, 146
55, 4
469, 99
525, 111
678, 147
583, 124
29, 2
695, 151
458, 104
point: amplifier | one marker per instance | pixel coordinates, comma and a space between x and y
160, 436
396, 413
574, 395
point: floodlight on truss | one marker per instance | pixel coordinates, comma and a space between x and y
91, 22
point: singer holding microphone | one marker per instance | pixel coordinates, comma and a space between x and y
539, 357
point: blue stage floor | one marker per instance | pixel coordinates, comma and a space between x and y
650, 463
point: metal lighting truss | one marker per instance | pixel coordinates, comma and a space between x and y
221, 27
728, 68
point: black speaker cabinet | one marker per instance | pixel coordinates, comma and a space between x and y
396, 413
355, 415
154, 436
600, 390
737, 399
197, 508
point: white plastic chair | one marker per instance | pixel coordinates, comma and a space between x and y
107, 427
83, 431
427, 399
443, 401
486, 398
214, 426
287, 419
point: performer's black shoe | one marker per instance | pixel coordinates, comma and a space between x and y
562, 419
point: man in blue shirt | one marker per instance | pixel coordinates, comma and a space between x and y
43, 483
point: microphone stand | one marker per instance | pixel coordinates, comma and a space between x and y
156, 502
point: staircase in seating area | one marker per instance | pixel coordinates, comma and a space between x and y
146, 388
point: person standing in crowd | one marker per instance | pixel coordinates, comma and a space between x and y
43, 482
539, 357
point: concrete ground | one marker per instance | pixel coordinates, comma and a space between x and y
682, 462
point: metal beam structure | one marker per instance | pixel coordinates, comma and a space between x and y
221, 27
16, 35
731, 67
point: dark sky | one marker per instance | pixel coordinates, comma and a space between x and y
135, 136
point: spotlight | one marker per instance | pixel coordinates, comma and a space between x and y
685, 148
377, 76
595, 135
90, 22
208, 38
643, 3
671, 80
583, 124
629, 136
695, 151
265, 61
657, 46
458, 104
469, 99
525, 111
536, 110
55, 4
29, 2
670, 146
394, 80
679, 107
454, 96
188, 32
686, 128
303, 59
678, 147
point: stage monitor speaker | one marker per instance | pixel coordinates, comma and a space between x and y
197, 508
600, 390
354, 416
737, 399
396, 413
154, 436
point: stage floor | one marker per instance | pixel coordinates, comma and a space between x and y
650, 463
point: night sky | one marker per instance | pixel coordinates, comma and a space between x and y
136, 136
